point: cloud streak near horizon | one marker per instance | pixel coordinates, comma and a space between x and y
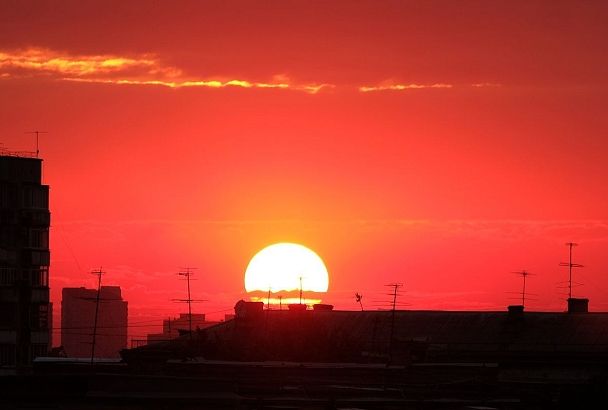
149, 70
145, 69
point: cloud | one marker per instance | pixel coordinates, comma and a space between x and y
390, 86
148, 69
402, 87
138, 70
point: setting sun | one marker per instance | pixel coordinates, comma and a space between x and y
286, 267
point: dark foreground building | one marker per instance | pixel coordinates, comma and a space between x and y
389, 360
24, 261
78, 317
323, 359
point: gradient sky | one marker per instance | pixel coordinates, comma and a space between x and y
441, 144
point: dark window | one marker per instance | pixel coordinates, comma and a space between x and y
7, 354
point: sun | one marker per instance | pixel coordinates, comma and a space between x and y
286, 267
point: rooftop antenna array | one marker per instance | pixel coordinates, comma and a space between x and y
187, 273
99, 272
37, 139
570, 265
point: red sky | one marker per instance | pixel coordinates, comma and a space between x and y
436, 143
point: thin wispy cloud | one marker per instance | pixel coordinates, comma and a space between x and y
390, 86
138, 70
402, 87
149, 70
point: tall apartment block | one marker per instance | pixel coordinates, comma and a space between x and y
24, 261
78, 318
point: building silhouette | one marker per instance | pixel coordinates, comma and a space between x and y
78, 317
25, 309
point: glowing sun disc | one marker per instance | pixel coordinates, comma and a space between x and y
279, 267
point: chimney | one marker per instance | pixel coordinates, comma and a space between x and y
295, 307
516, 310
576, 305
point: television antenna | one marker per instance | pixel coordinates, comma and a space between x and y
524, 274
570, 265
187, 273
37, 139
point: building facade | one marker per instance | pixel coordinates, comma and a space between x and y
78, 318
24, 261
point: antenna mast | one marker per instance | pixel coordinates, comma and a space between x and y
300, 290
37, 137
570, 265
187, 273
99, 272
524, 274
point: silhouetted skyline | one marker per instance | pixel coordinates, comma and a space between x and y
433, 143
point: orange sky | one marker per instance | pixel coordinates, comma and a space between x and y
441, 144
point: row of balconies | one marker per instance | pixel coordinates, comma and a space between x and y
23, 217
39, 316
20, 237
35, 277
25, 258
15, 196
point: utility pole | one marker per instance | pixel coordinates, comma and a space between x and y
570, 265
37, 137
395, 287
280, 302
99, 272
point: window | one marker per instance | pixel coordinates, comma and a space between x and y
7, 354
39, 317
35, 197
38, 238
40, 277
8, 276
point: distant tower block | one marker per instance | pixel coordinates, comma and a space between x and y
78, 307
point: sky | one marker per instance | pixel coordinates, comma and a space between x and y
440, 144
